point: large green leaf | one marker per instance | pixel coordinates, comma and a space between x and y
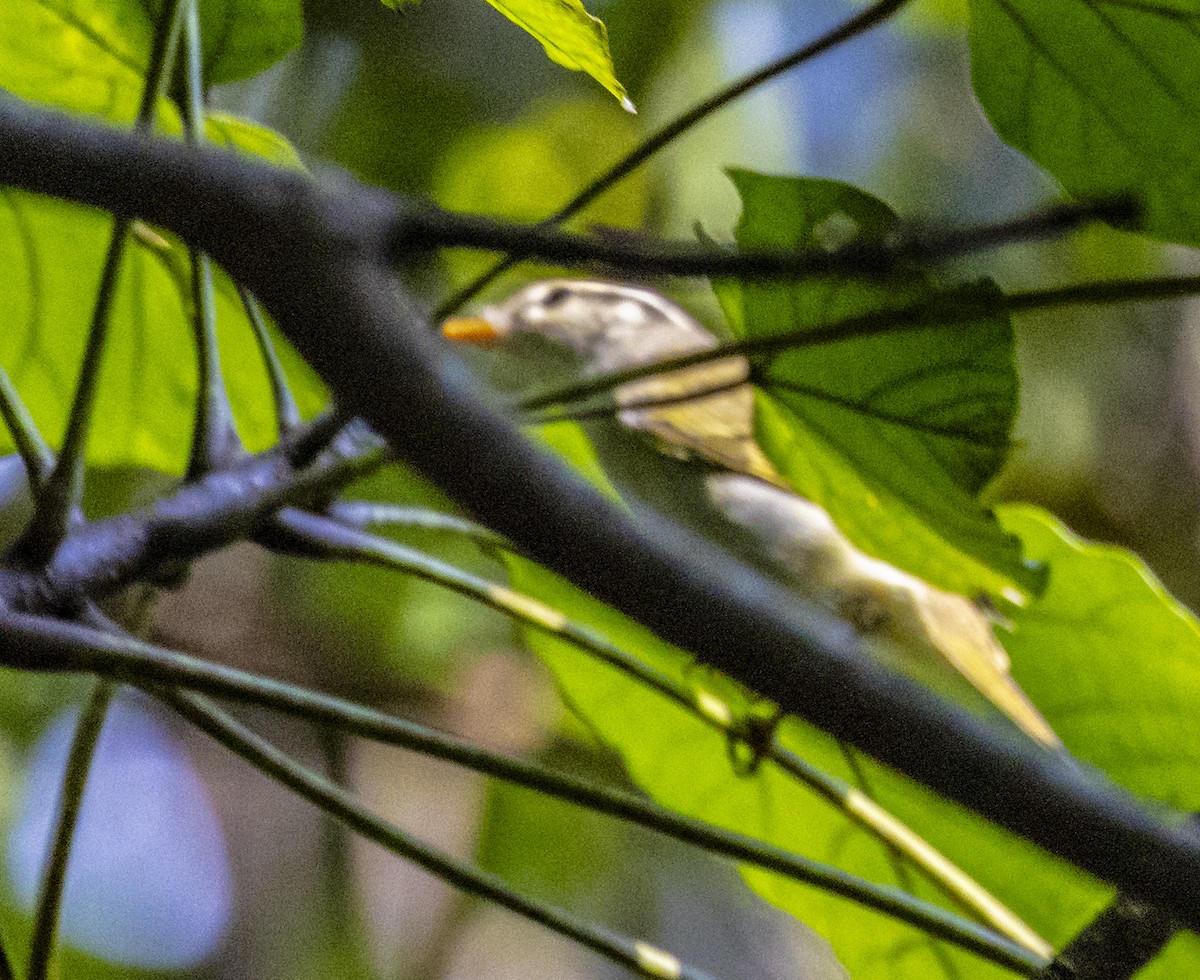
1104, 94
686, 765
78, 55
89, 57
571, 36
51, 254
244, 37
1112, 661
893, 434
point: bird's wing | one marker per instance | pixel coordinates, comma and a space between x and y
923, 626
717, 428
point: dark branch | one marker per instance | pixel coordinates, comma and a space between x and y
226, 506
308, 256
398, 227
421, 227
1122, 940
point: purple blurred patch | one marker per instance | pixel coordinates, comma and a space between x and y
149, 882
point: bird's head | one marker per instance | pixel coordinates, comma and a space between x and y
602, 326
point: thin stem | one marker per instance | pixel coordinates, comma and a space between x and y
369, 513
961, 307
862, 22
1100, 293
214, 436
47, 644
329, 541
31, 447
317, 436
608, 406
859, 807
287, 412
634, 955
337, 871
79, 762
911, 246
62, 491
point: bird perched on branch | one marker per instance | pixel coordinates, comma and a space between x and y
683, 442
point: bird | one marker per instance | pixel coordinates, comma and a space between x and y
683, 441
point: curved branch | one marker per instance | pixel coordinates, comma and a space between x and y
417, 228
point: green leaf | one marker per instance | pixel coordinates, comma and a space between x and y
250, 139
571, 36
52, 254
1109, 657
90, 57
1104, 94
83, 56
1112, 660
244, 37
893, 434
686, 764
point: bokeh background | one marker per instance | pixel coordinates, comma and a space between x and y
189, 861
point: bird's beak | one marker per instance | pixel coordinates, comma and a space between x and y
477, 330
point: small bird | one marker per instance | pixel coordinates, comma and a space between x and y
683, 441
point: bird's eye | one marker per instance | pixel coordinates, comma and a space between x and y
556, 296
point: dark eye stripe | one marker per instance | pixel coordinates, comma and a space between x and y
556, 296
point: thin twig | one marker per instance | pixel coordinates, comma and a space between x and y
287, 412
643, 958
214, 436
79, 763
62, 492
371, 513
860, 23
320, 433
39, 643
31, 447
962, 307
327, 540
419, 228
